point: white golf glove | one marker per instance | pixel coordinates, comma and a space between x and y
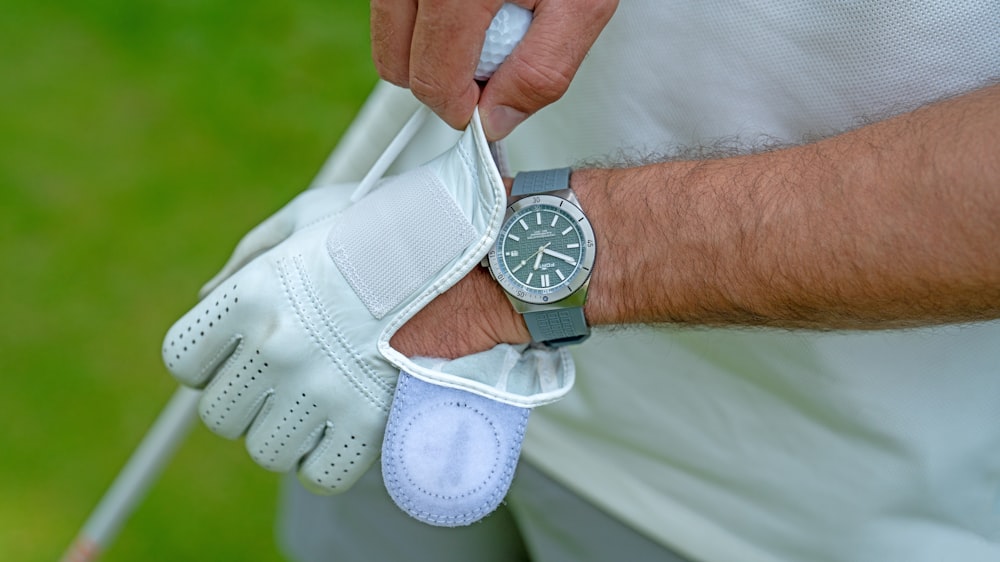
291, 339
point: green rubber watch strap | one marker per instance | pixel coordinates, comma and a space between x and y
527, 183
565, 326
561, 326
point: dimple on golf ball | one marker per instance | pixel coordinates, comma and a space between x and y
505, 32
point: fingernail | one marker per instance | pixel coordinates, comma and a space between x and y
501, 121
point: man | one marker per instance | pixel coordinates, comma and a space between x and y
823, 173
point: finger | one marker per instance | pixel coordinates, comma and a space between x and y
391, 32
540, 69
349, 447
447, 39
233, 398
286, 430
308, 207
204, 338
262, 238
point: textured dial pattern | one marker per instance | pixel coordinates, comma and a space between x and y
541, 247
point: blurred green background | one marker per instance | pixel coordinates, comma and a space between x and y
138, 142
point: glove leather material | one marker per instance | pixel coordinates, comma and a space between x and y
309, 207
291, 357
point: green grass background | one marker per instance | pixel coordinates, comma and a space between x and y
138, 142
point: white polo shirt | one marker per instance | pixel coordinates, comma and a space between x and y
774, 445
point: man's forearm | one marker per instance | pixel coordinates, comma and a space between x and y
893, 224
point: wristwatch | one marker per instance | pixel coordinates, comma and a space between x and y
543, 257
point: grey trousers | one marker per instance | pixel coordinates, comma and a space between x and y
540, 521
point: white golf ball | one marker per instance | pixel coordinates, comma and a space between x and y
504, 33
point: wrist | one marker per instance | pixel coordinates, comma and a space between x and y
500, 321
655, 228
472, 316
591, 187
543, 257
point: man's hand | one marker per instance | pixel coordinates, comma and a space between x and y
290, 342
471, 317
433, 46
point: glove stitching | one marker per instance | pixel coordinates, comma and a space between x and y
308, 444
213, 363
254, 410
229, 374
184, 329
319, 460
311, 328
275, 442
379, 397
471, 255
395, 437
320, 219
316, 458
496, 438
469, 161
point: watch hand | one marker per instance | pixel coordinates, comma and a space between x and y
538, 257
538, 260
555, 254
524, 262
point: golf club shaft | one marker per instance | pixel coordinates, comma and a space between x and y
174, 421
139, 472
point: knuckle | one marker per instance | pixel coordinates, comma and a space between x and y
430, 91
441, 98
392, 73
543, 83
389, 49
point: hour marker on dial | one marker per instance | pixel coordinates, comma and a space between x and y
555, 219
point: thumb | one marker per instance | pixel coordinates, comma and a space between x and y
307, 208
262, 238
540, 69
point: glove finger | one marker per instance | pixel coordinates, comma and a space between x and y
346, 451
290, 425
204, 337
305, 209
262, 238
235, 395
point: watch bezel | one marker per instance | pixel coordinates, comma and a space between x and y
581, 274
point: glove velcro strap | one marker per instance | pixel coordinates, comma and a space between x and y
399, 238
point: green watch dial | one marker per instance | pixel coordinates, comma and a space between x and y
541, 247
544, 250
